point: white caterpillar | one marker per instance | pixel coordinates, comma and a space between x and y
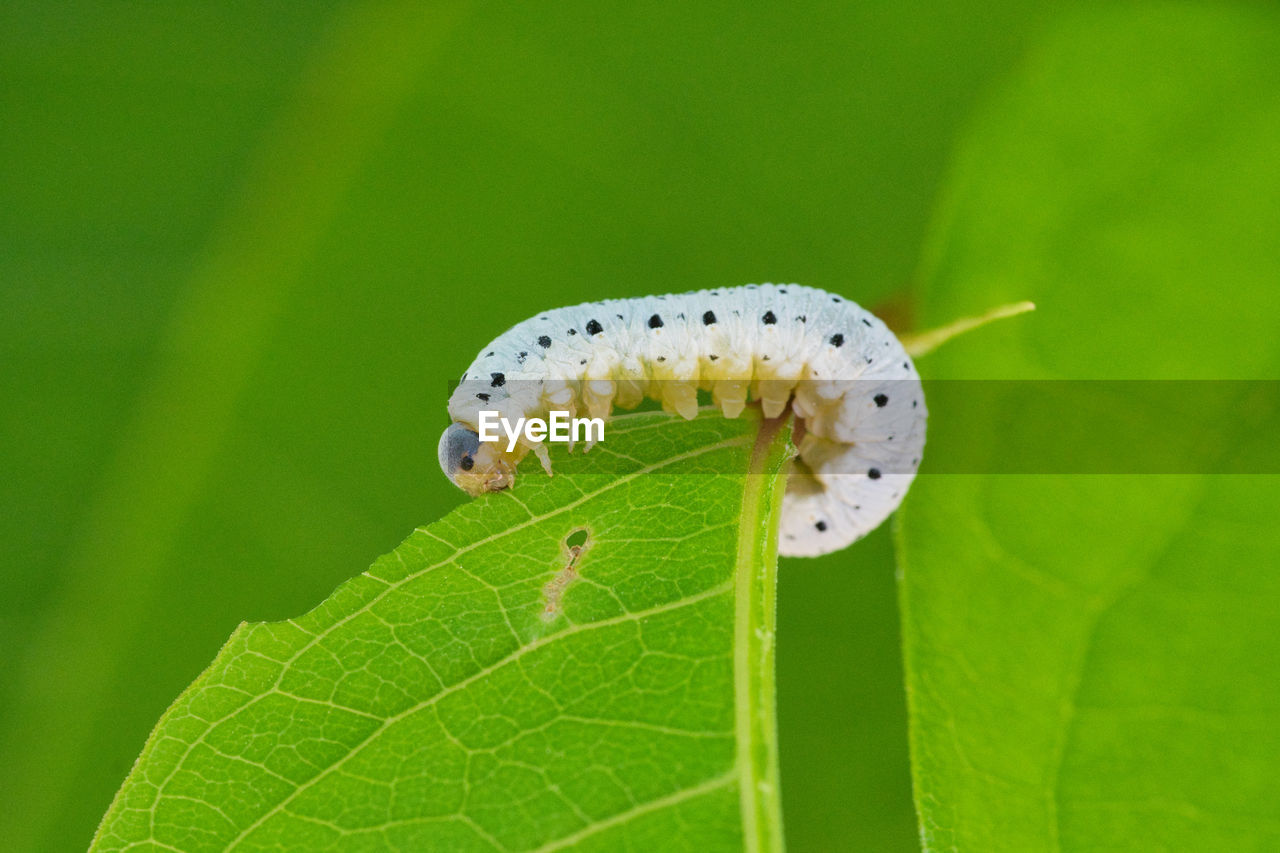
859, 407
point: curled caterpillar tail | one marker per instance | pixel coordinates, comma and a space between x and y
859, 407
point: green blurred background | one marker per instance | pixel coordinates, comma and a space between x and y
245, 246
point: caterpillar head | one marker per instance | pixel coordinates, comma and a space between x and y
473, 467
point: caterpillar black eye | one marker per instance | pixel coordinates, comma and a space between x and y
456, 451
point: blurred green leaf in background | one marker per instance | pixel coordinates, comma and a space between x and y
245, 246
1092, 660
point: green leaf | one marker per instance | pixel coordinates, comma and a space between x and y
586, 661
1091, 660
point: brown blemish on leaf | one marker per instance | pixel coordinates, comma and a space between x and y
575, 545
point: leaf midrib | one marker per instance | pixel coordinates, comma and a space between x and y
755, 575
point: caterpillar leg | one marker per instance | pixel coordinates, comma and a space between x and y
680, 398
540, 450
731, 396
774, 395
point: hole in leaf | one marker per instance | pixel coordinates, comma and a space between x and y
553, 592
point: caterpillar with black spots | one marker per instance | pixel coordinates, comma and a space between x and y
855, 393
